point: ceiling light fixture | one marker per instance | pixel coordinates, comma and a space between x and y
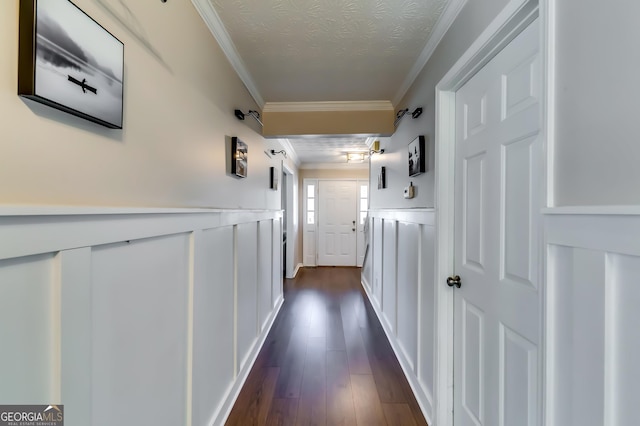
355, 157
414, 114
241, 115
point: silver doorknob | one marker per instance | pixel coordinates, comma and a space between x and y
454, 281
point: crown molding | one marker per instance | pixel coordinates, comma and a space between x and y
335, 166
215, 25
286, 144
440, 29
370, 140
327, 106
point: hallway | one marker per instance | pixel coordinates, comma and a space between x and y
326, 361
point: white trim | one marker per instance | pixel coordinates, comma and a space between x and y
548, 42
370, 141
334, 166
298, 267
327, 106
507, 24
439, 30
305, 227
60, 210
419, 216
291, 152
215, 25
290, 226
632, 210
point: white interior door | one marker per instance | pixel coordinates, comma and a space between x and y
498, 180
337, 219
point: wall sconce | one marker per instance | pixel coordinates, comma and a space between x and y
355, 157
375, 148
414, 114
274, 152
241, 115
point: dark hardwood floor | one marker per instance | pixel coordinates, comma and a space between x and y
326, 361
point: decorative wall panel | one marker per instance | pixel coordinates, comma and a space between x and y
134, 309
402, 252
593, 259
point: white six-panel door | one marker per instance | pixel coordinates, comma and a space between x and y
498, 180
337, 223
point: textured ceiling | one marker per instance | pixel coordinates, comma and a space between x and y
328, 50
327, 150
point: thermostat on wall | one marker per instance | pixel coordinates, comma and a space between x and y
409, 191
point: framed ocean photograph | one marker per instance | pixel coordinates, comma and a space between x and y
70, 62
417, 156
239, 157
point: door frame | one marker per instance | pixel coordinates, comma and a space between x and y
303, 220
290, 225
515, 16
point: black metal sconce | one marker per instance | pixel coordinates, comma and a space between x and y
274, 152
414, 114
241, 115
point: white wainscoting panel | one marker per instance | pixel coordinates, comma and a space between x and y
402, 252
427, 323
139, 313
376, 250
213, 356
27, 335
277, 270
247, 293
389, 273
265, 264
158, 313
76, 326
408, 280
593, 262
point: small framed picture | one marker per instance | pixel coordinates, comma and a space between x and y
273, 178
239, 157
382, 179
417, 157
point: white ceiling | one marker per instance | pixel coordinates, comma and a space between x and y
327, 150
328, 50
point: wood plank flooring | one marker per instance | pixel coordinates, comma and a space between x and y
326, 361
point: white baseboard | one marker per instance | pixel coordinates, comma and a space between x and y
298, 266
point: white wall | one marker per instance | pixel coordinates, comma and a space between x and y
471, 21
402, 290
597, 66
589, 257
135, 309
178, 115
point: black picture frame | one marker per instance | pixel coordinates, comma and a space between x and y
417, 156
382, 178
68, 61
273, 178
239, 157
